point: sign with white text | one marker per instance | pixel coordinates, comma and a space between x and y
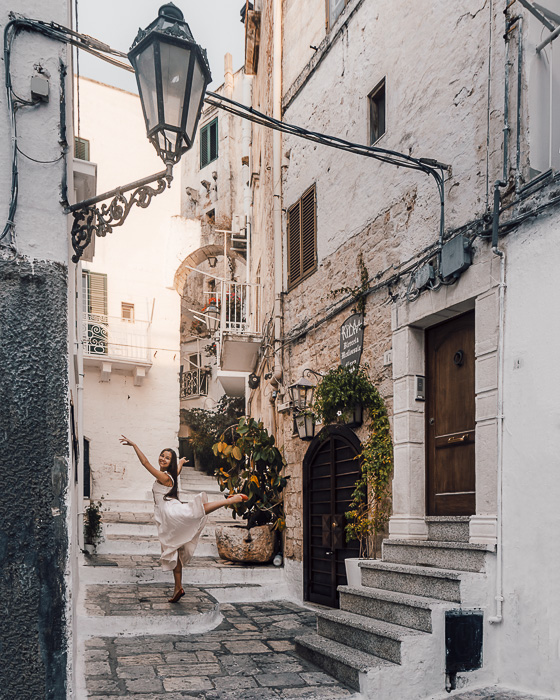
351, 340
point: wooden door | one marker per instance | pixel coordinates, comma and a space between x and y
450, 417
330, 474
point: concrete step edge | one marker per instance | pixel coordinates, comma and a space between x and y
437, 544
397, 633
360, 661
417, 570
409, 599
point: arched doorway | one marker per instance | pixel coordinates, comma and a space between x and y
330, 472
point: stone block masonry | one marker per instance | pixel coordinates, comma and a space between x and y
34, 458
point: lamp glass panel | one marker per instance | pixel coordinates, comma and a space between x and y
174, 71
146, 73
197, 93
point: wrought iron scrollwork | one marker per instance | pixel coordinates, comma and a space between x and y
100, 220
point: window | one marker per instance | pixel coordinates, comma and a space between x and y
94, 292
127, 312
334, 8
302, 238
81, 148
376, 101
209, 143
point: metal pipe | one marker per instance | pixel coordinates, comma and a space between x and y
519, 96
277, 186
549, 38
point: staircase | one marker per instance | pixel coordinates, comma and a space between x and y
387, 640
129, 527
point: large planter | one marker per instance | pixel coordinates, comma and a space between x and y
236, 543
352, 417
353, 571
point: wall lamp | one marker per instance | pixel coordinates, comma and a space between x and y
172, 74
301, 395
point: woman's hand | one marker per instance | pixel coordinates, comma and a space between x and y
125, 441
237, 498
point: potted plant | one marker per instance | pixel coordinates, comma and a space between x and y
93, 528
254, 466
343, 394
370, 507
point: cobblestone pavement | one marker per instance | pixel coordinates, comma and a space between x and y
250, 656
151, 561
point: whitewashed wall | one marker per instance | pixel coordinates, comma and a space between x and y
140, 259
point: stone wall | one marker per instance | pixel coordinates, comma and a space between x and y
34, 455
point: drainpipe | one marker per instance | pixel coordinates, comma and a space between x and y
277, 187
519, 92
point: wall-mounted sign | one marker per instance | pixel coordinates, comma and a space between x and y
351, 340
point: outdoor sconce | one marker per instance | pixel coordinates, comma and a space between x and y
212, 317
172, 74
301, 395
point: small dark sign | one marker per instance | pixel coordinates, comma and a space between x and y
351, 340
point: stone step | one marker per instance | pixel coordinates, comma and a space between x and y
448, 528
428, 582
141, 545
402, 609
458, 556
131, 529
375, 637
338, 660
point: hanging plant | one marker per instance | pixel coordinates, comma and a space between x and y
340, 391
93, 528
254, 467
370, 508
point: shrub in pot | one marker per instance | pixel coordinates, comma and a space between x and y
252, 465
93, 528
342, 394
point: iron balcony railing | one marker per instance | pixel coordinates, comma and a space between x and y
240, 307
193, 383
115, 338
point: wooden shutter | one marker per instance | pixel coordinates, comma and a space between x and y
214, 140
97, 293
203, 146
302, 237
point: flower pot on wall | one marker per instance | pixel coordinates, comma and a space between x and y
237, 543
352, 417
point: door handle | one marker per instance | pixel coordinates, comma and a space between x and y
335, 524
458, 439
329, 553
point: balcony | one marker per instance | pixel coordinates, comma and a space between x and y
193, 383
114, 343
239, 330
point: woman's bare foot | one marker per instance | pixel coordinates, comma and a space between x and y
177, 595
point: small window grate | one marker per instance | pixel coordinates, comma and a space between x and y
81, 148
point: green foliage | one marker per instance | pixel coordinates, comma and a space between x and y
254, 467
93, 528
370, 508
207, 425
340, 390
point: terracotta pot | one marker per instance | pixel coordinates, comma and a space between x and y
236, 543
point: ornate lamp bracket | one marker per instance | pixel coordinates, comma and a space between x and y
90, 219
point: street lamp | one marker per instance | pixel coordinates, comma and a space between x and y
301, 393
172, 74
212, 317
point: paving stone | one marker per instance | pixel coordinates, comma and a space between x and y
188, 670
281, 645
141, 659
279, 680
249, 647
317, 678
189, 683
98, 668
235, 683
144, 685
136, 672
315, 693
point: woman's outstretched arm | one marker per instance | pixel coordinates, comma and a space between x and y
214, 505
162, 477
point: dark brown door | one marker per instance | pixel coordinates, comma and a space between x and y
330, 474
450, 417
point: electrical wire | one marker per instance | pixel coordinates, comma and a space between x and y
35, 160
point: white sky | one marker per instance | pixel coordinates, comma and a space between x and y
215, 24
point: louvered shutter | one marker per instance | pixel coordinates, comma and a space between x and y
308, 231
203, 147
214, 140
294, 245
97, 293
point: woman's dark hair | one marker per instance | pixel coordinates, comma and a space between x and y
172, 471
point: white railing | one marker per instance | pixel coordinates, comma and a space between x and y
240, 307
115, 338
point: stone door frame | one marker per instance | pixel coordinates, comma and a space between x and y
477, 289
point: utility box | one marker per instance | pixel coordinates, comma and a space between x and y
456, 256
463, 640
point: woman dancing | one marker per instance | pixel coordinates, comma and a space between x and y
179, 524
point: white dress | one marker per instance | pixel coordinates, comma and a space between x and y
179, 525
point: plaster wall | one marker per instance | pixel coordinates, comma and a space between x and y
140, 259
531, 488
38, 511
